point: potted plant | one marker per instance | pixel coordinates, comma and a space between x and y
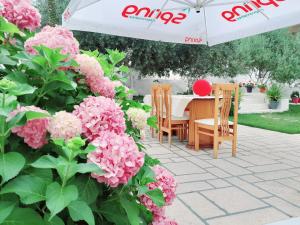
262, 88
295, 97
249, 86
274, 94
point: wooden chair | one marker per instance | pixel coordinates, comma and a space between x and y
220, 127
155, 104
169, 123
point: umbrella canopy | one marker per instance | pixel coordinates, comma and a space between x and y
182, 21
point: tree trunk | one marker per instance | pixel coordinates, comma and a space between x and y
52, 20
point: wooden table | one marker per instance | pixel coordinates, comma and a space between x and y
199, 108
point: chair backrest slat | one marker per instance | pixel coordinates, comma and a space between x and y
166, 109
155, 91
224, 95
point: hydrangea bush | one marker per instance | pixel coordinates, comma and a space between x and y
70, 136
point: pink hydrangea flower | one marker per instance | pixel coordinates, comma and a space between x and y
34, 131
167, 184
156, 211
118, 156
20, 13
64, 125
163, 221
54, 37
106, 88
94, 78
98, 114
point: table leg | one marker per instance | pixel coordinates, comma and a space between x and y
200, 109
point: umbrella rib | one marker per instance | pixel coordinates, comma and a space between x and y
259, 10
91, 3
190, 4
177, 8
206, 2
205, 22
227, 3
161, 9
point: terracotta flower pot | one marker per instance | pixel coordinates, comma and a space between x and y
262, 90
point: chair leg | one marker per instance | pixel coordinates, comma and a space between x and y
197, 137
181, 134
234, 146
177, 134
216, 147
185, 131
160, 136
170, 138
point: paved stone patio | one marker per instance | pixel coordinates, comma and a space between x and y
260, 186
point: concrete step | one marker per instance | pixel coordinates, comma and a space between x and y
265, 107
258, 103
253, 104
248, 111
255, 97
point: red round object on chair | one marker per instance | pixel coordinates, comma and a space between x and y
202, 87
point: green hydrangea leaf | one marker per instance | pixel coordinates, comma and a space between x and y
24, 216
88, 189
10, 165
58, 197
79, 210
5, 209
30, 189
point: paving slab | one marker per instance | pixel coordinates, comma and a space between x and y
194, 177
248, 187
182, 214
192, 187
284, 206
181, 168
233, 200
229, 167
275, 175
219, 183
268, 168
201, 206
250, 178
280, 190
257, 217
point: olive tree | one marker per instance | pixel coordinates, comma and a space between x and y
271, 56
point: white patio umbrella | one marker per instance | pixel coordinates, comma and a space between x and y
182, 21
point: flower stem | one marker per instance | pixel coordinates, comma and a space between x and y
67, 171
41, 93
2, 127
